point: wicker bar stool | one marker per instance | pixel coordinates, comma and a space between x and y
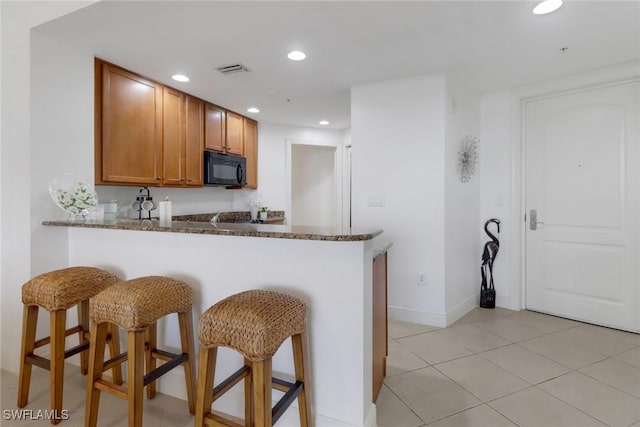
136, 305
255, 323
57, 291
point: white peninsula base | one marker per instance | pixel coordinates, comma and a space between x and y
334, 277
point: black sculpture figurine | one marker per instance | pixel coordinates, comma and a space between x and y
487, 291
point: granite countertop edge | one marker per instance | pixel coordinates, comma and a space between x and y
252, 230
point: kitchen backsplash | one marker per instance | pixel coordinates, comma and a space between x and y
183, 200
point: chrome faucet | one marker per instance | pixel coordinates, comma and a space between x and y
214, 220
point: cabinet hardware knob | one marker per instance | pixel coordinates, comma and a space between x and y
158, 177
190, 180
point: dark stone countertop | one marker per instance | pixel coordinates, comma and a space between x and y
233, 216
228, 229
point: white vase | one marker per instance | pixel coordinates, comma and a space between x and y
263, 216
254, 213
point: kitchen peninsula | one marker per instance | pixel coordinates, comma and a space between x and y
330, 268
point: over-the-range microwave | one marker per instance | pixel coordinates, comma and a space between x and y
224, 169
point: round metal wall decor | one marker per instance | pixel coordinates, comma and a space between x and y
467, 157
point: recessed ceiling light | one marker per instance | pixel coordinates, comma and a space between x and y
323, 122
547, 6
296, 55
180, 78
253, 110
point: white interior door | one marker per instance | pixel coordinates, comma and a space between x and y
583, 179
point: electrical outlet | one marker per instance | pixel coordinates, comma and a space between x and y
422, 279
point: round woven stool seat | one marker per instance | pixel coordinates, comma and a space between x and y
135, 304
254, 323
64, 288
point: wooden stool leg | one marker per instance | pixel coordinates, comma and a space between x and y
261, 380
96, 362
135, 359
114, 350
83, 321
248, 397
206, 372
186, 338
29, 323
301, 362
56, 367
151, 338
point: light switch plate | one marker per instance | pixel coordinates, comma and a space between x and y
376, 200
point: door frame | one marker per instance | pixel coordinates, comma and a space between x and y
338, 167
519, 162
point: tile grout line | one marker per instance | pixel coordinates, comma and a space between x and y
562, 400
404, 403
510, 342
605, 383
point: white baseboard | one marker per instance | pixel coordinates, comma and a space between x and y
441, 320
417, 316
463, 308
372, 417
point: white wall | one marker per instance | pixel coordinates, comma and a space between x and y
15, 171
61, 81
499, 191
397, 135
313, 186
501, 158
405, 135
462, 200
346, 178
273, 173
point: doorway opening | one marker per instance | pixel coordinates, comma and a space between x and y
315, 184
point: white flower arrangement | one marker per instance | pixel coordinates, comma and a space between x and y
73, 195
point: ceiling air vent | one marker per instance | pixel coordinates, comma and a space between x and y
235, 68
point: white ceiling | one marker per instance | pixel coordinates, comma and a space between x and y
485, 45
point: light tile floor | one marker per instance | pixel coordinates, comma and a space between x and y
492, 368
498, 368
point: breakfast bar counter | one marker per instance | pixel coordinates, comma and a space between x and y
229, 229
330, 269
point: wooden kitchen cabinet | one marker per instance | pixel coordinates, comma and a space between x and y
215, 125
251, 151
235, 132
128, 133
149, 134
223, 131
174, 136
183, 139
194, 141
379, 327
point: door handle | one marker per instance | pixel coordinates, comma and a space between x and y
533, 220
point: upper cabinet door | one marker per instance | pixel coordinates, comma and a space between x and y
235, 132
130, 129
215, 128
251, 151
195, 141
149, 134
173, 132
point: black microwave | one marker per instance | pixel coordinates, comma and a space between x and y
224, 169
